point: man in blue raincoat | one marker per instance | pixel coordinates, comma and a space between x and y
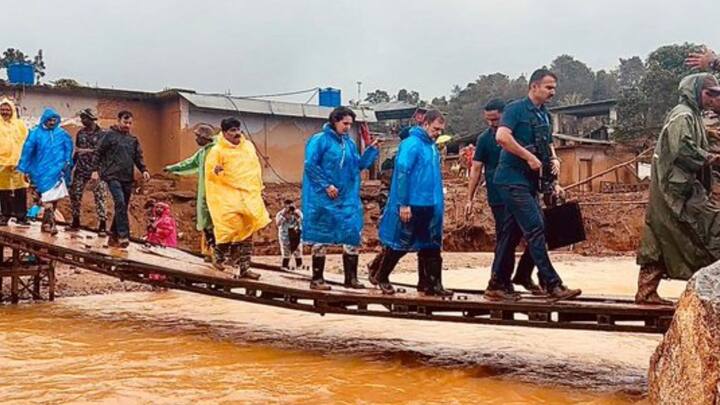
46, 159
333, 212
413, 217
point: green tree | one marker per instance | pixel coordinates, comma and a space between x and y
605, 86
378, 96
408, 96
574, 77
649, 90
465, 107
630, 72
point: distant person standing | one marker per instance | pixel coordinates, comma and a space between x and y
333, 212
13, 187
86, 141
116, 156
47, 161
289, 223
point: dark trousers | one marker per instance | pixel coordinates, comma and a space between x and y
391, 258
121, 192
524, 219
526, 264
13, 203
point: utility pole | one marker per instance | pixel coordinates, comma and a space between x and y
359, 83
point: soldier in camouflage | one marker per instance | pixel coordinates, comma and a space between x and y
86, 141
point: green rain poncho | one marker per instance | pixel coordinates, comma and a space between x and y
682, 224
195, 164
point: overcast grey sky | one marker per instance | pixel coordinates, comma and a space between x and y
269, 46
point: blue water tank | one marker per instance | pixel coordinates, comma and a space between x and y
330, 97
21, 73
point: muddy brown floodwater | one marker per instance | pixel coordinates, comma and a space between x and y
177, 348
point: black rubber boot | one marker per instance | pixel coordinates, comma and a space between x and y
74, 225
298, 263
433, 267
318, 269
374, 266
219, 256
423, 284
382, 277
350, 268
285, 263
102, 229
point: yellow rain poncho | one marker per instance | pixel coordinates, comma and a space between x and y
234, 195
12, 138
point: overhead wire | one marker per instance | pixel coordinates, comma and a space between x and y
257, 149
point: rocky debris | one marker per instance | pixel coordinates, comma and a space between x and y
685, 368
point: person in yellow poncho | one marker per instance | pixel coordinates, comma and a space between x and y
233, 189
13, 187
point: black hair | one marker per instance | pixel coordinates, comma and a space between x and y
229, 123
540, 74
124, 114
288, 202
433, 115
339, 113
495, 105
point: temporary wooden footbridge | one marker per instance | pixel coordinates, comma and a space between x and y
30, 268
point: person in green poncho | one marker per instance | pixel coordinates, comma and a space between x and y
195, 165
682, 224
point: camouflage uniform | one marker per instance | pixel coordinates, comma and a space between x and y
85, 165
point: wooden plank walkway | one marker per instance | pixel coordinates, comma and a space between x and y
285, 289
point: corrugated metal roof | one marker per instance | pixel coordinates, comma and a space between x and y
267, 107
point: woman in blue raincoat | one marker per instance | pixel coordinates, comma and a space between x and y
333, 212
46, 159
413, 217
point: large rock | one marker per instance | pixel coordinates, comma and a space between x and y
685, 368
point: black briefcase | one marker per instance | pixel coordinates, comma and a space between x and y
563, 225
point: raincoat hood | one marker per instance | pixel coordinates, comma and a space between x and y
163, 208
47, 115
13, 133
163, 230
9, 102
47, 154
690, 89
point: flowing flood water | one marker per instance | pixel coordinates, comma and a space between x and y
177, 348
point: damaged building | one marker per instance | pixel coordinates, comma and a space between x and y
164, 121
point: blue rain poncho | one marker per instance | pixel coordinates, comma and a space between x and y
47, 154
333, 159
417, 183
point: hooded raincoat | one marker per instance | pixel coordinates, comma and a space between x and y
47, 154
417, 183
234, 195
195, 164
682, 224
12, 137
333, 159
163, 231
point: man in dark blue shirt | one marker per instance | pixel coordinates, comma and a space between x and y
525, 136
487, 153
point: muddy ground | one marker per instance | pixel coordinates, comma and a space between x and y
613, 222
